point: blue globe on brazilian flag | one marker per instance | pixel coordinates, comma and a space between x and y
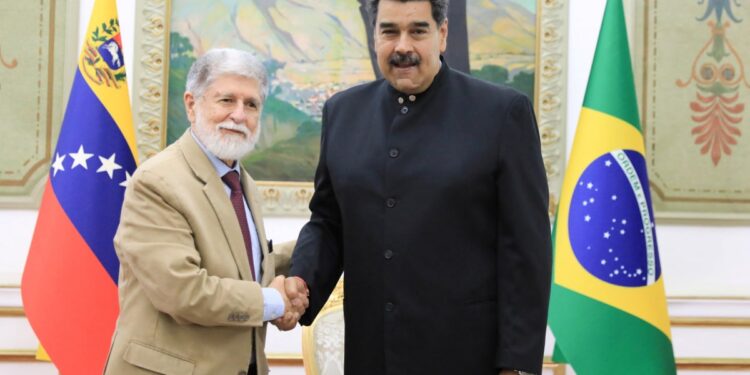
608, 310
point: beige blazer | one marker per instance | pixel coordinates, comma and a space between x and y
188, 304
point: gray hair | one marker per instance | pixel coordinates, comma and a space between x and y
439, 9
220, 61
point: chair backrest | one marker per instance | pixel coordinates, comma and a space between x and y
323, 341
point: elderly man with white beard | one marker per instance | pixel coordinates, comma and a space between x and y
197, 277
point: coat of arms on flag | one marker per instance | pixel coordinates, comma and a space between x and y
103, 61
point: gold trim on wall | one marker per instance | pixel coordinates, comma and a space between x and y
723, 364
11, 312
285, 359
710, 322
150, 95
708, 298
17, 355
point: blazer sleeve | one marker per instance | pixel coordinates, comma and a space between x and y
155, 243
524, 253
317, 257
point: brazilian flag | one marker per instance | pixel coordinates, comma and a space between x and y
608, 310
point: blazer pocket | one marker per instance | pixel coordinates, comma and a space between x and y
156, 360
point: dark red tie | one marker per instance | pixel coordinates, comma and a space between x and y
232, 179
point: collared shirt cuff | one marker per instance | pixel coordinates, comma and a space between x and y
273, 304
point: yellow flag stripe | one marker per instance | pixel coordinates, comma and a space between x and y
113, 95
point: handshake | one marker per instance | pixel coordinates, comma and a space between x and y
295, 294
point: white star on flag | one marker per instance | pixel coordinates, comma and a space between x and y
80, 158
127, 180
58, 164
108, 165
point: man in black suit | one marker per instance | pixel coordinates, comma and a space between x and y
430, 194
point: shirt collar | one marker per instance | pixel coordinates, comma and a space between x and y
219, 166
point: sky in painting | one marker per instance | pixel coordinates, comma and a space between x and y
528, 4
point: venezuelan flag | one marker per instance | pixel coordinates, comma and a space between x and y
608, 310
69, 284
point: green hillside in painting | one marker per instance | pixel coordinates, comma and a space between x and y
288, 159
314, 48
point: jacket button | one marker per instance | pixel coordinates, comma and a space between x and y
390, 203
389, 307
404, 110
388, 254
393, 152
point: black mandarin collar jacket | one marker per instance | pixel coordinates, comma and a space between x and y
435, 207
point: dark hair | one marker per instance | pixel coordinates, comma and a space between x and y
439, 9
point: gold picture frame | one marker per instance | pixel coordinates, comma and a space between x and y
283, 198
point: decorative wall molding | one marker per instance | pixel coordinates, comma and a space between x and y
11, 298
704, 364
699, 311
41, 56
551, 90
18, 356
709, 322
150, 75
11, 312
285, 198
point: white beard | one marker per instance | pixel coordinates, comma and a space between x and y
225, 146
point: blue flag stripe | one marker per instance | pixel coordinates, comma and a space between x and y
89, 166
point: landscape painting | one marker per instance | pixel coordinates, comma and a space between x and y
313, 49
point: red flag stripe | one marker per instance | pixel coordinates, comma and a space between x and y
79, 296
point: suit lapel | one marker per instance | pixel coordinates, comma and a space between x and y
217, 196
250, 191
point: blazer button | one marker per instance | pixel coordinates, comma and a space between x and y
404, 110
393, 152
390, 203
388, 254
389, 307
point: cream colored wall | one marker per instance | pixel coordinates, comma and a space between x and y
699, 260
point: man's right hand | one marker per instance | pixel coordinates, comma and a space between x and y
295, 303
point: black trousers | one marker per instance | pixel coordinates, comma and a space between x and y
253, 369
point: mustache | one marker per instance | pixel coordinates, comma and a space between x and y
404, 59
229, 125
